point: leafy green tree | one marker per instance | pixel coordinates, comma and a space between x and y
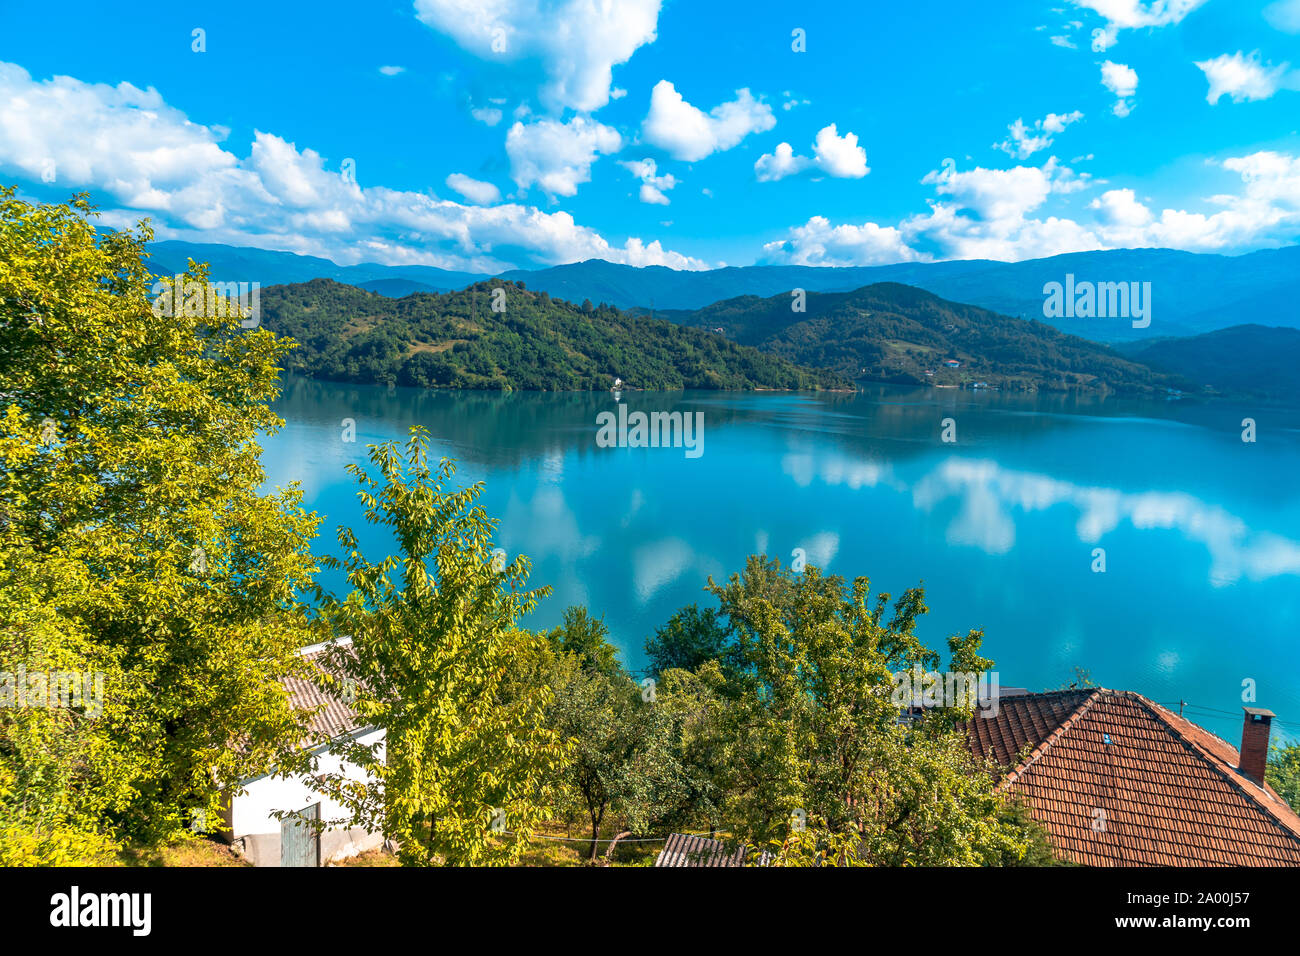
1283, 773
136, 545
814, 734
460, 776
691, 637
587, 638
598, 714
627, 763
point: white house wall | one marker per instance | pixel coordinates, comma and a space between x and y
257, 832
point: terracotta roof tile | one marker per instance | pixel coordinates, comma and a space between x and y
1162, 792
334, 717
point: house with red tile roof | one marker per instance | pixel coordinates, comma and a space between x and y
1117, 780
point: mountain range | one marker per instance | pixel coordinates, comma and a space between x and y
1191, 293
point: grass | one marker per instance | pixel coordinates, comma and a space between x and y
187, 852
553, 844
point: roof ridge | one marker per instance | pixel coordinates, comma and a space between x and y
1051, 738
1233, 778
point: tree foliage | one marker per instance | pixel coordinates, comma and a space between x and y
460, 775
1283, 773
456, 340
814, 735
136, 545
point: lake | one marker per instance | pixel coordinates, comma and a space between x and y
1200, 530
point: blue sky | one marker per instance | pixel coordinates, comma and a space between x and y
486, 134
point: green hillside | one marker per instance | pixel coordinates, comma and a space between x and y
896, 333
1245, 359
457, 340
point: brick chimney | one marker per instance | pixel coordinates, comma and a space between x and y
1254, 742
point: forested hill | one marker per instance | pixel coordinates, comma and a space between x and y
889, 332
1247, 360
456, 340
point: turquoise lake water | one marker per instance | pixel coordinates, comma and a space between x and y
1201, 531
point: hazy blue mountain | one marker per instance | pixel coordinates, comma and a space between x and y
398, 288
1191, 292
245, 264
1251, 359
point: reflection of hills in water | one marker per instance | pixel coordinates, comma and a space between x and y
503, 429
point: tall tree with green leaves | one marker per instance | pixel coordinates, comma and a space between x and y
814, 732
691, 637
1283, 772
461, 775
137, 547
598, 713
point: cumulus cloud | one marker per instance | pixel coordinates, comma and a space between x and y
1121, 80
130, 146
1244, 78
688, 133
780, 163
576, 42
653, 186
1024, 140
392, 70
1132, 15
834, 155
475, 190
995, 214
818, 243
1120, 207
558, 156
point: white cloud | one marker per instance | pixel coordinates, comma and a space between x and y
1133, 15
1121, 80
778, 164
818, 243
475, 190
577, 42
1119, 207
143, 157
834, 155
653, 186
688, 133
1284, 15
392, 70
558, 156
1243, 78
486, 114
1063, 41
1024, 141
993, 214
839, 156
